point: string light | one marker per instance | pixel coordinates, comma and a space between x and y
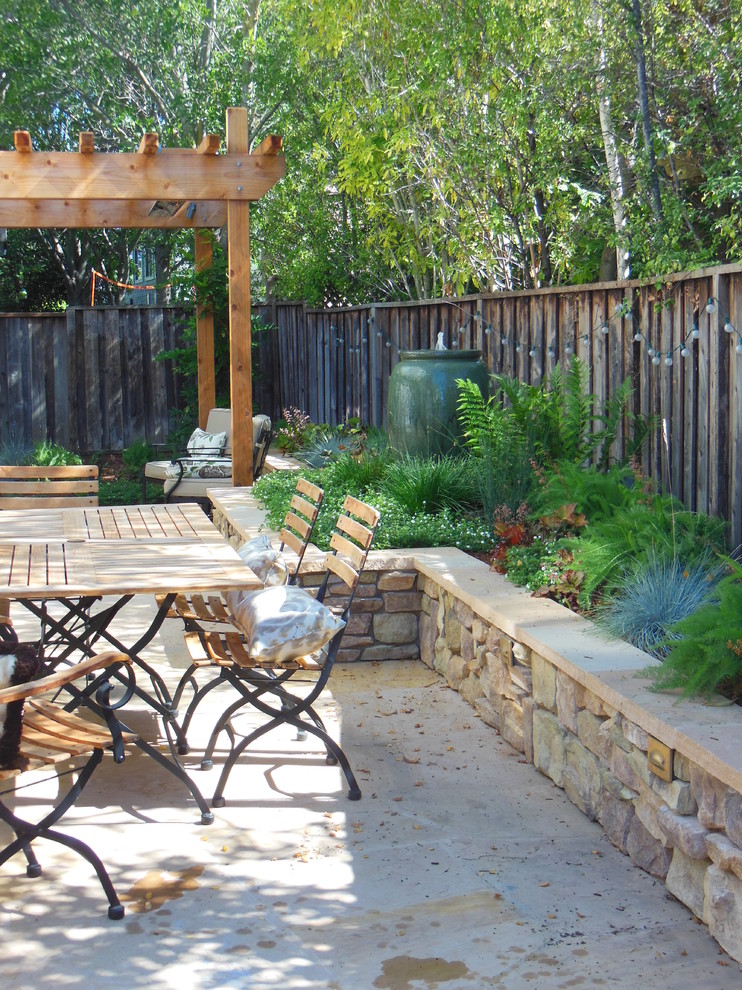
623, 311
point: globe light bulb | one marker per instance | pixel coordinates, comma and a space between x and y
638, 335
656, 359
695, 332
684, 352
650, 351
668, 360
711, 305
728, 327
532, 352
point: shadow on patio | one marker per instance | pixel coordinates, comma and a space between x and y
460, 867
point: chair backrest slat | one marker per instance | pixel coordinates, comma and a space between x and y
351, 550
300, 525
292, 541
343, 570
312, 491
362, 534
308, 509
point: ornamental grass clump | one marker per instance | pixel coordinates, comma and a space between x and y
704, 651
656, 596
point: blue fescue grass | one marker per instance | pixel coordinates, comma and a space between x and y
654, 597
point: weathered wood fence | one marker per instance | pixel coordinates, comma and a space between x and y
335, 364
87, 378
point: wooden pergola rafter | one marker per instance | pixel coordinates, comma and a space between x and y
197, 188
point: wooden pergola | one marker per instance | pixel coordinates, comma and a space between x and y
170, 188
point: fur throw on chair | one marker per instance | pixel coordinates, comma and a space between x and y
19, 662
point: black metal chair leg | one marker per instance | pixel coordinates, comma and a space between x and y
27, 832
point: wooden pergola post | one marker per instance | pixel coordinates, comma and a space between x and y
204, 256
240, 336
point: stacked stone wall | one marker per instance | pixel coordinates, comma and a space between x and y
687, 833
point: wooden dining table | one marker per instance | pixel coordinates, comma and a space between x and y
92, 561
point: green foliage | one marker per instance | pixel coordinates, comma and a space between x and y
707, 655
658, 529
127, 491
16, 450
427, 485
535, 564
595, 493
400, 526
52, 455
654, 596
294, 431
136, 456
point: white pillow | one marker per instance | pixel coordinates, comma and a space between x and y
201, 442
285, 623
267, 563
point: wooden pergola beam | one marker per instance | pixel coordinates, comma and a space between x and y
107, 213
175, 174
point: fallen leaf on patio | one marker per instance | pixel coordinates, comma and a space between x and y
419, 783
328, 814
157, 887
392, 712
410, 759
544, 883
398, 799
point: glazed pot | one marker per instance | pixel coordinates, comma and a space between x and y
422, 418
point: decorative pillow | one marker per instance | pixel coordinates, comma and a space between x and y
267, 563
19, 662
202, 442
197, 467
285, 623
216, 469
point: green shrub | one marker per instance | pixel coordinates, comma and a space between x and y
707, 656
596, 494
136, 456
50, 454
427, 484
654, 530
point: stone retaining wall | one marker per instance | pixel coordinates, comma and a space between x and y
687, 833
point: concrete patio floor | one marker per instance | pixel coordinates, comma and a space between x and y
461, 867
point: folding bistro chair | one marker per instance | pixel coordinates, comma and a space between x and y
288, 633
51, 736
295, 536
204, 611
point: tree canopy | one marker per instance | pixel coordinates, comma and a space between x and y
431, 149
